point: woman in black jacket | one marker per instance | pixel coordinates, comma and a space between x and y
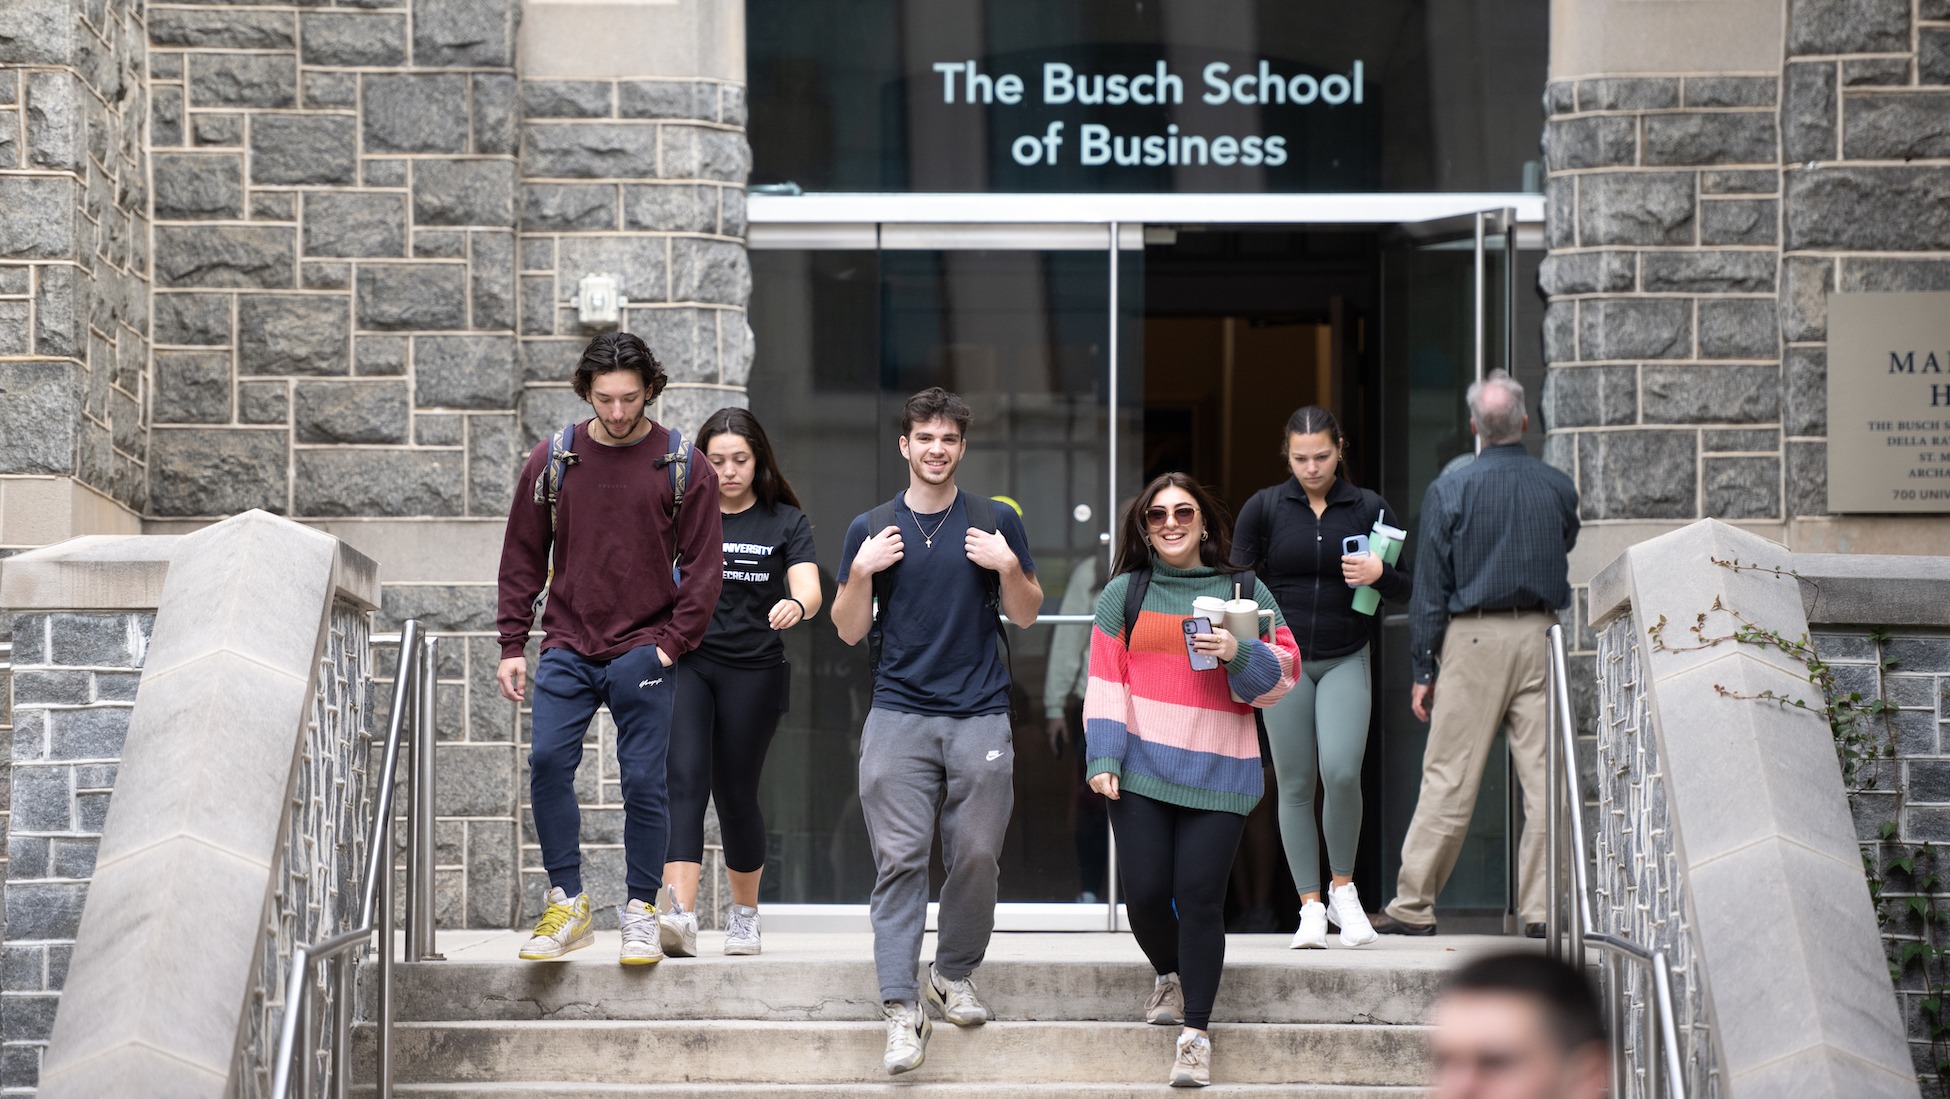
1291, 535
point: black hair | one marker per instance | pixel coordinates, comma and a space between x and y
768, 481
935, 403
613, 351
1563, 995
1134, 552
1313, 420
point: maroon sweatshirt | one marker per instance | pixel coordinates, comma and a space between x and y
614, 543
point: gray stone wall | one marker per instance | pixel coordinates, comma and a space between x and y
74, 686
334, 258
74, 243
1909, 788
1697, 224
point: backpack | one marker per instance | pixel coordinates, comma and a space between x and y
1140, 583
548, 484
982, 519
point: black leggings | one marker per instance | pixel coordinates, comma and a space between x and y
1174, 863
722, 723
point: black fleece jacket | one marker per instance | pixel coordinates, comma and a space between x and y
1298, 555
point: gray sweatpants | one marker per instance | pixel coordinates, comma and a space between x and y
911, 768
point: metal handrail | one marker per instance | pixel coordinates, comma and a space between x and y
1564, 813
413, 710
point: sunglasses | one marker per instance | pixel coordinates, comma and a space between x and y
1154, 517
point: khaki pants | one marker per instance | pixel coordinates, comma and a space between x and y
1493, 671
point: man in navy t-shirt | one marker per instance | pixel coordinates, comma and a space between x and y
938, 735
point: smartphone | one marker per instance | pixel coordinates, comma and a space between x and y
1201, 662
1354, 545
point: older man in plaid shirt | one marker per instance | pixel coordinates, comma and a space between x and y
1491, 573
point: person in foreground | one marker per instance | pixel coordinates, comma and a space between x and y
942, 564
1293, 535
732, 690
1176, 756
605, 511
1491, 572
1518, 1026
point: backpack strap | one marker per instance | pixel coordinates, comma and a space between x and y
879, 519
678, 462
548, 483
1140, 582
981, 516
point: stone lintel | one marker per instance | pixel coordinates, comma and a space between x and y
663, 38
1874, 589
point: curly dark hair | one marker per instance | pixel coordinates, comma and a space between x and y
1134, 549
613, 351
936, 403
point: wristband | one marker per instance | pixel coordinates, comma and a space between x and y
802, 607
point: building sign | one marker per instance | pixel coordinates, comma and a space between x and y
1889, 402
1097, 144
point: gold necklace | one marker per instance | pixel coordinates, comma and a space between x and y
928, 536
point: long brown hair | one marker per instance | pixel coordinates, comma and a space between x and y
1134, 553
767, 481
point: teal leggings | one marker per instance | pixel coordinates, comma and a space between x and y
1319, 733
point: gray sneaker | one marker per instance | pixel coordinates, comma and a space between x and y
741, 935
1166, 1005
1193, 1066
955, 1000
908, 1031
676, 928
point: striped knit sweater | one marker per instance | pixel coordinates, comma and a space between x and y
1166, 731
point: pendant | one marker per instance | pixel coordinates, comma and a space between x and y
930, 542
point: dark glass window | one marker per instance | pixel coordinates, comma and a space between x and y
1147, 95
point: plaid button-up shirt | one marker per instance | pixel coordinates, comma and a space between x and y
1495, 533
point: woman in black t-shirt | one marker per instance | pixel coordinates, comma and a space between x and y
732, 689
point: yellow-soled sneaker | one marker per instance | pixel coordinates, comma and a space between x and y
564, 926
639, 924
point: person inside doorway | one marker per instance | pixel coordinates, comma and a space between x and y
731, 692
1518, 1026
1292, 534
1491, 572
1176, 756
937, 740
598, 523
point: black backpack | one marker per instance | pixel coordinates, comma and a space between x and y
548, 484
980, 518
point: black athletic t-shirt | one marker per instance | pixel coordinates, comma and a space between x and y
760, 543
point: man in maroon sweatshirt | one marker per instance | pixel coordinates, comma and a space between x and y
615, 622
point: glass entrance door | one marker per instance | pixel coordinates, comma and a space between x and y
1019, 321
1447, 320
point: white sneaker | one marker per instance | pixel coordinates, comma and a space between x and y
1166, 1004
955, 1000
741, 935
564, 926
1193, 1066
639, 925
908, 1031
676, 928
1344, 911
1313, 928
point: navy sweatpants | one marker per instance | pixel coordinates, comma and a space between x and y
638, 690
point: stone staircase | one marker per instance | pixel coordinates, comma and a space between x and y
802, 1020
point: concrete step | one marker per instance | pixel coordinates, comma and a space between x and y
901, 1088
632, 1052
1076, 977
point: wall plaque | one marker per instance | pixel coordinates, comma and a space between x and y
1889, 402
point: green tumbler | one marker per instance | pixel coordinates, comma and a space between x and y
1386, 541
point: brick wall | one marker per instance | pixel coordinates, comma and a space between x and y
74, 684
74, 243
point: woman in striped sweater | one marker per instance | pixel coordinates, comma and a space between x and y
1178, 759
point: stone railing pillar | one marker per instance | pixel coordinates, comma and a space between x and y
1765, 876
